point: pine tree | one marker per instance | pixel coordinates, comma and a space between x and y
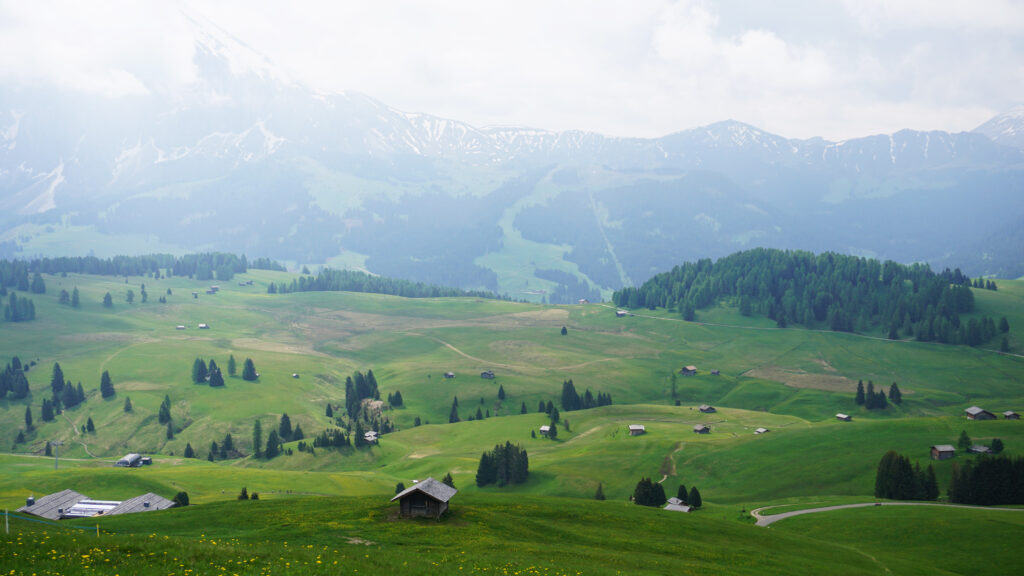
170, 430
28, 418
448, 480
79, 394
931, 484
501, 392
57, 379
599, 494
74, 298
244, 494
682, 494
108, 300
164, 414
106, 385
273, 445
38, 286
216, 378
1004, 325
189, 452
89, 426
21, 437
47, 411
996, 445
522, 410
479, 413
249, 370
564, 331
330, 411
181, 499
48, 451
199, 373
860, 393
400, 487
694, 499
232, 367
453, 417
127, 404
895, 396
284, 429
553, 430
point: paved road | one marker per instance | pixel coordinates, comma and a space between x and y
767, 520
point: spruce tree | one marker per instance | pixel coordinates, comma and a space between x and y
28, 418
74, 298
127, 404
181, 499
249, 370
199, 371
400, 487
273, 445
453, 416
564, 331
895, 396
860, 393
216, 378
964, 441
501, 392
108, 300
89, 426
448, 480
189, 452
694, 499
49, 450
284, 429
244, 494
232, 367
106, 385
682, 494
330, 411
522, 410
170, 431
599, 494
21, 437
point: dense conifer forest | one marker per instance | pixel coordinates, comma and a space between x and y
825, 291
329, 280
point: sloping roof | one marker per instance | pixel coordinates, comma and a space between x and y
430, 487
674, 500
48, 506
1009, 413
138, 504
944, 448
706, 408
88, 508
545, 428
676, 507
637, 427
974, 410
699, 427
760, 431
842, 416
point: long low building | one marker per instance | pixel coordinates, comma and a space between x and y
71, 504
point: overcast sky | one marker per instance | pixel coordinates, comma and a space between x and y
797, 68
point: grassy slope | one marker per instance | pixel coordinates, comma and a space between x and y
410, 343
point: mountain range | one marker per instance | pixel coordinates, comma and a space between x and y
245, 161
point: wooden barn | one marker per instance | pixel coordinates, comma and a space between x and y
844, 417
637, 429
701, 429
975, 413
428, 499
943, 452
707, 409
1011, 415
688, 371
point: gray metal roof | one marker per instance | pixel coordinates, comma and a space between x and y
430, 487
138, 504
944, 448
974, 410
48, 506
676, 508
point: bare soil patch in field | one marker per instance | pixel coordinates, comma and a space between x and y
797, 378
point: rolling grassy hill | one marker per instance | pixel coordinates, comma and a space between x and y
791, 381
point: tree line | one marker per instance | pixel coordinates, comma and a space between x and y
13, 381
328, 280
877, 400
203, 266
571, 400
990, 480
506, 464
835, 291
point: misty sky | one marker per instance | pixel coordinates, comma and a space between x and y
642, 68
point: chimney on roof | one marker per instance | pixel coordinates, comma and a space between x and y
145, 504
31, 500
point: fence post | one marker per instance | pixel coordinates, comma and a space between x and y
7, 526
97, 530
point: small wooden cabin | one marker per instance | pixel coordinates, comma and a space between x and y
844, 417
707, 409
544, 430
449, 375
975, 413
701, 429
487, 374
943, 452
688, 371
1011, 415
637, 429
428, 499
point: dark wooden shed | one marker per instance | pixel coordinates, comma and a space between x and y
428, 498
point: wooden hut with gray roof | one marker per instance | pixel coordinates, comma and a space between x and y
428, 498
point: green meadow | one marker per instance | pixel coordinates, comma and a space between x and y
790, 381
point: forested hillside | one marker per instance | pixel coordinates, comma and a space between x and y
829, 290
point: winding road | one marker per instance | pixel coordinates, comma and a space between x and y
771, 519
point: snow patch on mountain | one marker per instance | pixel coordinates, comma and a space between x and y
10, 133
45, 200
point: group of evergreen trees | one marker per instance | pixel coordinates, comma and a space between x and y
571, 400
896, 479
843, 293
19, 309
203, 373
65, 394
395, 399
648, 493
13, 380
506, 464
226, 450
990, 480
352, 281
358, 388
877, 400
